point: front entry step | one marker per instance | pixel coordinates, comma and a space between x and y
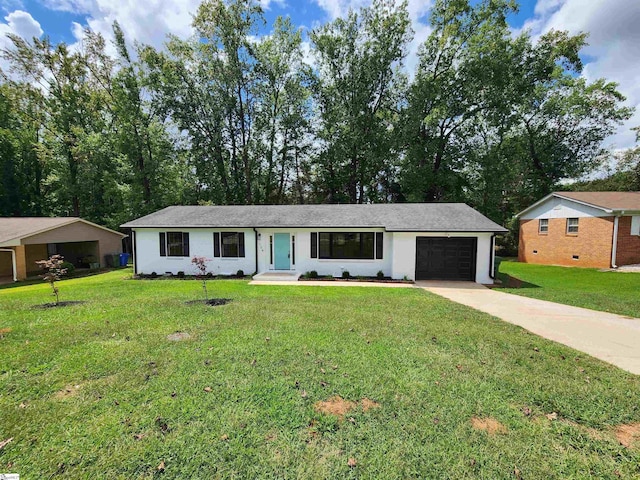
277, 276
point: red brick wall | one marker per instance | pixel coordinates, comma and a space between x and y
628, 251
592, 243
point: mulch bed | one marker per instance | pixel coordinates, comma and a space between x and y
59, 304
212, 302
356, 280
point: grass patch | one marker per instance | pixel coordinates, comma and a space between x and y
296, 382
614, 292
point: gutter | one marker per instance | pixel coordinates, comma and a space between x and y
614, 246
13, 262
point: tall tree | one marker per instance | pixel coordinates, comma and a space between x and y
282, 115
357, 93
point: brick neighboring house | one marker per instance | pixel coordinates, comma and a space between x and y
582, 229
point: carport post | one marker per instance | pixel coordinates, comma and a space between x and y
13, 262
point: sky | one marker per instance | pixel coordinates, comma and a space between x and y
613, 27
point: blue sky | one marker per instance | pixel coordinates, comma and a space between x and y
613, 26
57, 17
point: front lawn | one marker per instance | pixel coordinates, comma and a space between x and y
429, 388
614, 292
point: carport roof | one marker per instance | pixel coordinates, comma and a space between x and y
399, 217
15, 228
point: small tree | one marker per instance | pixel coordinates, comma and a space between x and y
201, 272
53, 271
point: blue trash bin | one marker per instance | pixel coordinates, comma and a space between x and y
124, 259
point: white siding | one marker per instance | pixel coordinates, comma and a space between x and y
304, 262
555, 207
404, 260
200, 244
399, 253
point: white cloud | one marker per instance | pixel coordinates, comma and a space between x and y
266, 4
147, 21
613, 53
21, 23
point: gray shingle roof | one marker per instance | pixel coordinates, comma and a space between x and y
421, 217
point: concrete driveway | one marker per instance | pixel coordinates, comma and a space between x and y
607, 336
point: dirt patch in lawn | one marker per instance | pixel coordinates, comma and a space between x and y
73, 389
628, 434
67, 392
489, 425
339, 407
59, 304
213, 302
178, 336
368, 404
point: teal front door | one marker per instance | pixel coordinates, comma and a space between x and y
281, 251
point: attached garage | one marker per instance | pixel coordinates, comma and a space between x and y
446, 258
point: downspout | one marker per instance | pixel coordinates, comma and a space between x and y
134, 252
492, 257
13, 262
614, 247
256, 238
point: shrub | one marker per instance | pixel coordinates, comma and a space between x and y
380, 274
180, 274
53, 271
69, 267
209, 275
240, 273
346, 274
313, 274
154, 275
201, 272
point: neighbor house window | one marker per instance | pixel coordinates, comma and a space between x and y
174, 244
228, 244
346, 245
572, 225
635, 225
543, 225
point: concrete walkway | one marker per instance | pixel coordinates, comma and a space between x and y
609, 337
334, 283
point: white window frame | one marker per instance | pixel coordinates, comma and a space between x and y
570, 226
546, 226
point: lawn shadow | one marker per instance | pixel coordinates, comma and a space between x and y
512, 282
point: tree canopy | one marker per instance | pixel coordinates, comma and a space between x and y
231, 117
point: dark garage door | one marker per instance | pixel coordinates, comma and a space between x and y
442, 258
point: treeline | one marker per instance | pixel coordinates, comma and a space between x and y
225, 117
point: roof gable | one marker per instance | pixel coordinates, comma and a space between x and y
452, 217
16, 228
610, 202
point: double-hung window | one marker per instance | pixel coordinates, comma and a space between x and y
174, 244
228, 244
572, 225
543, 225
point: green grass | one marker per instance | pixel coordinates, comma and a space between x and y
431, 365
614, 292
